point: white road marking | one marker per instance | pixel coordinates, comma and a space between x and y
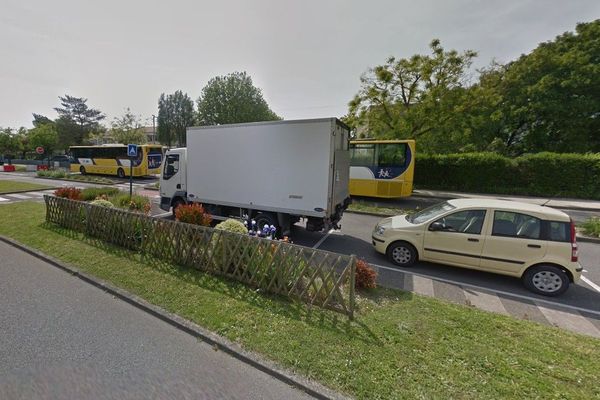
568, 320
485, 301
495, 291
320, 242
3, 199
18, 196
592, 284
165, 214
39, 194
423, 285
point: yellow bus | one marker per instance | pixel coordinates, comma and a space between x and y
111, 159
382, 168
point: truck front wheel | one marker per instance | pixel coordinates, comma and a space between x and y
177, 203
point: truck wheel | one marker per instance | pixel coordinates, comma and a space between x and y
121, 173
263, 219
82, 170
176, 204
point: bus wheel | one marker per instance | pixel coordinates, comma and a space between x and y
82, 170
121, 173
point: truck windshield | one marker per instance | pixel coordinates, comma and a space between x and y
429, 213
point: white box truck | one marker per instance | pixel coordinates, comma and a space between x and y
272, 172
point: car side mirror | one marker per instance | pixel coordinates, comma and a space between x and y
436, 226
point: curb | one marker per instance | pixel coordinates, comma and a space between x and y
78, 181
588, 239
150, 188
368, 213
30, 190
572, 208
219, 343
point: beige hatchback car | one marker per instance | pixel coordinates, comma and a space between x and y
531, 242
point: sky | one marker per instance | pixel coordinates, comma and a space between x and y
306, 56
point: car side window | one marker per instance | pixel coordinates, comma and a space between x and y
171, 166
517, 225
468, 221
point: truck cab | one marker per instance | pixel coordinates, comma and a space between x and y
173, 183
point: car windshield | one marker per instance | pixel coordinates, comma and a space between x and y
429, 213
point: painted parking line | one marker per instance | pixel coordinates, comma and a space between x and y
422, 285
18, 196
592, 284
570, 321
38, 194
485, 301
495, 291
320, 242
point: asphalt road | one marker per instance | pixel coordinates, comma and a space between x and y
355, 238
61, 338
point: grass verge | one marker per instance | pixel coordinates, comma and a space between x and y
400, 346
367, 208
591, 227
7, 186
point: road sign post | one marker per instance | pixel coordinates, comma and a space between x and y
132, 154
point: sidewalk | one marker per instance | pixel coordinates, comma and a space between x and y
572, 204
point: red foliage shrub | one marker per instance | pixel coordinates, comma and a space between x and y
68, 193
193, 214
366, 276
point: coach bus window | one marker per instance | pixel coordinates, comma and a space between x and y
362, 155
392, 155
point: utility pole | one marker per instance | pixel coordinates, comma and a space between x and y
153, 129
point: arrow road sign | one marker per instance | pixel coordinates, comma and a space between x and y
132, 150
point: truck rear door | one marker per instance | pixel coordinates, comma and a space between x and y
341, 166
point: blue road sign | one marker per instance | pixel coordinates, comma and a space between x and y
132, 150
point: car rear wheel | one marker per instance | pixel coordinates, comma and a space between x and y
82, 170
121, 173
402, 254
547, 280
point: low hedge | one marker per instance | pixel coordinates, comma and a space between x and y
541, 174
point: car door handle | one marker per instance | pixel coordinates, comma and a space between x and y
473, 240
535, 246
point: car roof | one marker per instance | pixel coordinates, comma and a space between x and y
509, 205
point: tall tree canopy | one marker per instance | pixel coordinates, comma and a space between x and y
10, 142
547, 100
128, 129
417, 97
175, 114
76, 120
232, 99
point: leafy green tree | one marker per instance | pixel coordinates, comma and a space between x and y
128, 129
232, 99
76, 120
175, 115
45, 136
39, 119
419, 97
10, 144
165, 130
550, 98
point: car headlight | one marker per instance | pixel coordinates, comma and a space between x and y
379, 229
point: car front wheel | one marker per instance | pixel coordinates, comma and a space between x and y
402, 254
547, 280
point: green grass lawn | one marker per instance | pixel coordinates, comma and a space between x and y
362, 207
7, 186
591, 227
400, 345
